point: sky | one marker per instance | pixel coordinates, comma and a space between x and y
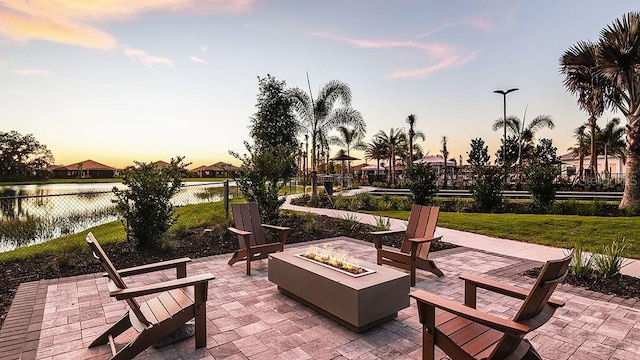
144, 80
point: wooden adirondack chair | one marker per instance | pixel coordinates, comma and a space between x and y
416, 244
178, 301
463, 332
251, 241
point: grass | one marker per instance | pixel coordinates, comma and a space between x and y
593, 232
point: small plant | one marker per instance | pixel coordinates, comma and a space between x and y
311, 225
582, 263
350, 222
611, 261
365, 200
382, 224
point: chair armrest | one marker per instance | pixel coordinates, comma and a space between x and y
500, 288
494, 322
283, 232
142, 269
386, 232
239, 232
275, 227
129, 293
424, 239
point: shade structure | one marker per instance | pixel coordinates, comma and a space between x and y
344, 157
434, 161
372, 168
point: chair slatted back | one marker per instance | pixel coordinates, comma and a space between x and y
422, 223
552, 273
247, 217
114, 277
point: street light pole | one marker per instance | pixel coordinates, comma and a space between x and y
504, 121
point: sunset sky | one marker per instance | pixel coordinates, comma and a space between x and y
122, 80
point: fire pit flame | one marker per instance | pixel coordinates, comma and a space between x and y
337, 260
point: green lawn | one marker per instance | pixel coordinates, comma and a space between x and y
554, 230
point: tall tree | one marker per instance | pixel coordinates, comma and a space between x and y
445, 155
413, 135
348, 139
319, 117
22, 157
617, 59
271, 159
579, 64
611, 137
479, 154
580, 148
377, 150
394, 141
524, 133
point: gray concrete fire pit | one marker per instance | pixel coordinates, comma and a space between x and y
359, 303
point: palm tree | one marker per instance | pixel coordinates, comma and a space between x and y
412, 135
619, 67
612, 140
376, 150
524, 133
394, 141
445, 154
349, 139
319, 117
579, 64
581, 147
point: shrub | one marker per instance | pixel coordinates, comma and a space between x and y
540, 182
145, 205
365, 201
487, 191
422, 183
611, 261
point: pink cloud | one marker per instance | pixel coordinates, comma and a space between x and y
146, 59
74, 22
30, 72
438, 56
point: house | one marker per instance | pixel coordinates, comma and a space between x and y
219, 170
570, 165
87, 169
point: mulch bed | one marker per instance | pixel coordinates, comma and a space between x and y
193, 243
623, 286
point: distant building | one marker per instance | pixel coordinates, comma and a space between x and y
571, 165
87, 169
219, 170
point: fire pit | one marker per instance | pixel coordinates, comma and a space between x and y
359, 303
336, 260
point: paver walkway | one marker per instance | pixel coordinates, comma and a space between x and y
248, 318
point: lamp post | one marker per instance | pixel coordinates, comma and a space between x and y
504, 120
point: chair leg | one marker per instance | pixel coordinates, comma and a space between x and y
201, 314
116, 329
249, 264
434, 269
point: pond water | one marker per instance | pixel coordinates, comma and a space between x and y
31, 214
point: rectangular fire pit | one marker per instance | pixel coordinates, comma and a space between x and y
359, 303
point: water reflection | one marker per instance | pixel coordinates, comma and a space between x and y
31, 214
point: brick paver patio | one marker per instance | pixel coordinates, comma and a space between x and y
248, 318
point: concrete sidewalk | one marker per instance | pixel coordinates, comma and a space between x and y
462, 238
